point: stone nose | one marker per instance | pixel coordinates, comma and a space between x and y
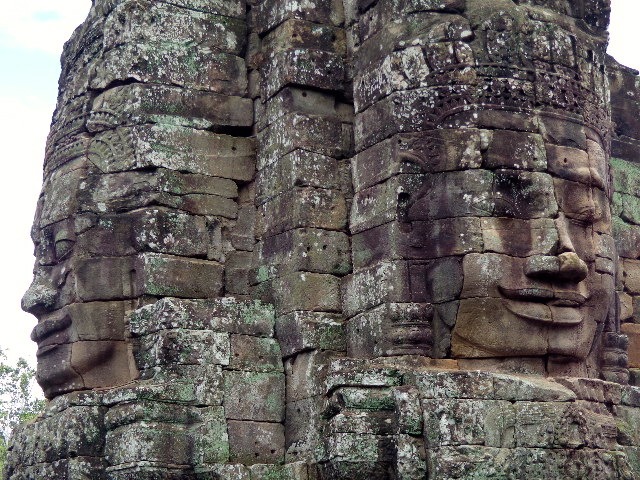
40, 298
567, 266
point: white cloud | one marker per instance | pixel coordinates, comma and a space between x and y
41, 24
624, 32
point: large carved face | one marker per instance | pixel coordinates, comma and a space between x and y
535, 227
549, 301
78, 294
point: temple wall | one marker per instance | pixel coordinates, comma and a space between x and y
359, 239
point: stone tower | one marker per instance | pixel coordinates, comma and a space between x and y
338, 239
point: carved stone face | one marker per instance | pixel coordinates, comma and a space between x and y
544, 280
78, 296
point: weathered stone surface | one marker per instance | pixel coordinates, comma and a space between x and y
173, 147
254, 396
256, 442
421, 194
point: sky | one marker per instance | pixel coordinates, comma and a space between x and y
32, 33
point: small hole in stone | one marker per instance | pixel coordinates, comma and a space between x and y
273, 451
304, 94
324, 247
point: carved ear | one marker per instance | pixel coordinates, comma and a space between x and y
412, 157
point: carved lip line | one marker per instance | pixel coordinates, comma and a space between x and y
542, 313
50, 326
47, 348
555, 298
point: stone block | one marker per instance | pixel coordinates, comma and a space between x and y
72, 469
207, 380
372, 286
233, 8
150, 442
298, 168
625, 177
296, 99
436, 281
402, 112
632, 330
141, 471
257, 396
256, 354
219, 315
217, 72
519, 237
391, 329
468, 193
116, 367
384, 242
516, 150
57, 203
168, 275
303, 330
361, 422
356, 447
485, 422
400, 70
127, 191
411, 459
631, 276
268, 15
306, 374
304, 249
444, 237
307, 291
167, 231
301, 66
303, 429
297, 33
106, 278
242, 233
384, 202
381, 162
135, 23
175, 148
408, 410
627, 238
222, 471
237, 272
210, 439
368, 399
127, 413
321, 135
303, 207
289, 471
169, 347
256, 442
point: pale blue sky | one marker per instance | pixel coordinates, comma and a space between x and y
32, 33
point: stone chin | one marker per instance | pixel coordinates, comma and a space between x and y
82, 346
499, 327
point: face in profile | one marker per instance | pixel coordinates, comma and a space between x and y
77, 295
545, 281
